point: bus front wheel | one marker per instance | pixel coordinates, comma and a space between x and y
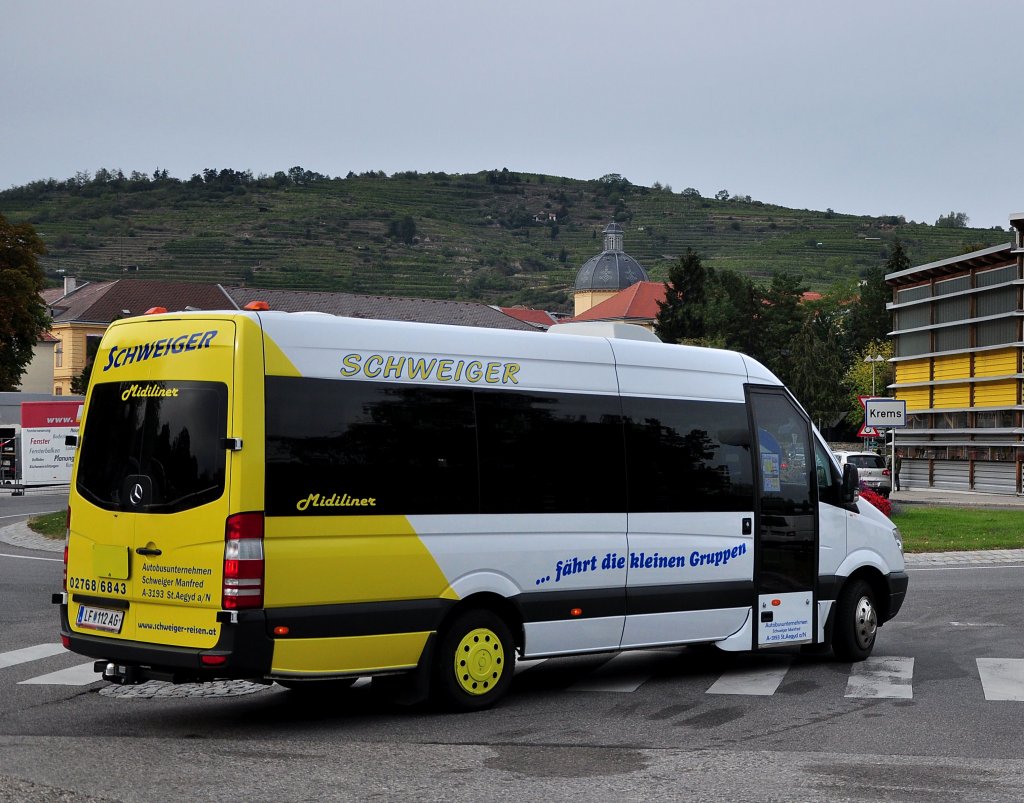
856, 623
474, 661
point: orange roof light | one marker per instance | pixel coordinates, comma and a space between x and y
155, 310
257, 305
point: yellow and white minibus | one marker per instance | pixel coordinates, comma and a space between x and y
307, 499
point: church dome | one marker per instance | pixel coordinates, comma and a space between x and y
612, 269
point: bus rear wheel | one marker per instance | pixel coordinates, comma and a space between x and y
474, 662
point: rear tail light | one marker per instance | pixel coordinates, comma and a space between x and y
243, 561
885, 472
67, 540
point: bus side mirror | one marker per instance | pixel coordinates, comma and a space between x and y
851, 482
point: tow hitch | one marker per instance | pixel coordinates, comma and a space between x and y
117, 673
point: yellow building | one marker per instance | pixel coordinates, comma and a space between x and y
958, 346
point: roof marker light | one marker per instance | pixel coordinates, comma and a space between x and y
156, 310
257, 306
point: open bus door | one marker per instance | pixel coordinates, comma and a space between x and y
786, 543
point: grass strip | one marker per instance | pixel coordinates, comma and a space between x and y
52, 525
951, 529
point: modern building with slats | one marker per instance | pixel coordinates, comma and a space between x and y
957, 328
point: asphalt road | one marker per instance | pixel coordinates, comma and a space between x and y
925, 719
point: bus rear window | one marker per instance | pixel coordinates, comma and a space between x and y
154, 447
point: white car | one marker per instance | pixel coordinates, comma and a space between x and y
871, 469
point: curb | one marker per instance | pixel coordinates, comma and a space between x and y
986, 557
20, 535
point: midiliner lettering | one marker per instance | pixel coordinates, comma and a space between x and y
380, 366
193, 341
318, 500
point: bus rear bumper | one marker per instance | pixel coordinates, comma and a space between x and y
243, 652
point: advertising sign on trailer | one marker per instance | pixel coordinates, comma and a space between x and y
45, 459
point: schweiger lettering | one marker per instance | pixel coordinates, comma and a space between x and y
379, 366
158, 348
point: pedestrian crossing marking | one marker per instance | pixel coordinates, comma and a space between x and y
81, 675
26, 654
761, 681
1002, 678
886, 677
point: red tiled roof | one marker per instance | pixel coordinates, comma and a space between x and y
103, 302
537, 317
637, 302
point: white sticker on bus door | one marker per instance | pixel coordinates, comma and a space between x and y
784, 618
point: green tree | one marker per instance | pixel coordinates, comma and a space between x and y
681, 315
867, 318
733, 308
780, 322
816, 375
859, 377
954, 220
23, 317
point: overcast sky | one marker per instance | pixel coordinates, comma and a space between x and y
871, 108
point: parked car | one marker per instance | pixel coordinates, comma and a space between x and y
871, 469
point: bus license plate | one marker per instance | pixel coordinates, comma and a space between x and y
100, 619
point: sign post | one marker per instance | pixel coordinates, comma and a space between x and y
889, 414
869, 433
885, 412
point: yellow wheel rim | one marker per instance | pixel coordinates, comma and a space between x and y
479, 661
